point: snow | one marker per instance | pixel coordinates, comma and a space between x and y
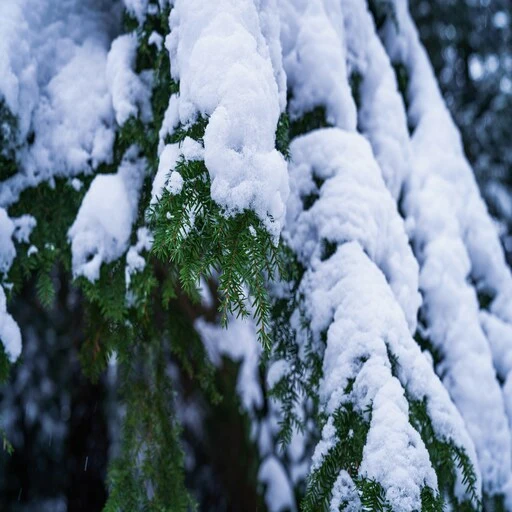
239, 342
7, 249
354, 289
20, 229
69, 78
271, 30
191, 149
76, 184
171, 121
137, 8
17, 71
166, 177
353, 204
314, 60
394, 454
10, 334
23, 227
130, 95
134, 261
455, 242
344, 492
175, 183
366, 296
223, 64
103, 225
379, 97
168, 159
32, 250
53, 79
279, 495
156, 39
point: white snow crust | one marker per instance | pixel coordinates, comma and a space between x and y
103, 225
10, 335
226, 72
312, 39
455, 243
130, 95
353, 204
381, 114
53, 79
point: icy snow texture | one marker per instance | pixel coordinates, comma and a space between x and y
23, 227
354, 290
52, 77
166, 177
271, 30
353, 210
353, 204
171, 121
314, 60
454, 241
19, 228
381, 114
225, 69
168, 159
103, 225
351, 207
60, 80
345, 493
352, 287
394, 454
130, 95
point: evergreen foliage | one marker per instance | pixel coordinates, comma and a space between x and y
192, 232
208, 263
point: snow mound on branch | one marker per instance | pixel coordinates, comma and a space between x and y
53, 79
271, 30
345, 493
352, 294
353, 204
166, 176
10, 335
456, 244
169, 157
130, 95
102, 228
7, 249
314, 59
381, 114
223, 63
367, 324
135, 262
364, 317
17, 70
